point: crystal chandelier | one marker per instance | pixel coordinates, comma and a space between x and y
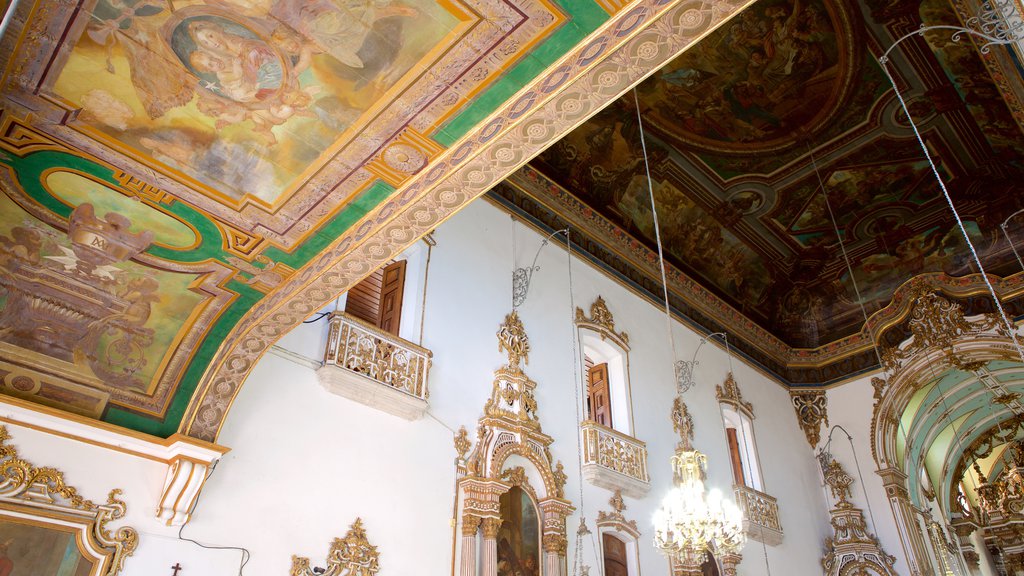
692, 522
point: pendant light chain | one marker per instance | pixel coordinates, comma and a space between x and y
1011, 332
864, 313
657, 236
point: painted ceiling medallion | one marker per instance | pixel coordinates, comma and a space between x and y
781, 69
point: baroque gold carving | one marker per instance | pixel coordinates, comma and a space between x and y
935, 324
510, 426
811, 411
682, 423
615, 519
851, 549
45, 491
513, 341
615, 451
729, 393
601, 318
352, 555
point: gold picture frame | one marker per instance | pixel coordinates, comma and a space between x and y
48, 529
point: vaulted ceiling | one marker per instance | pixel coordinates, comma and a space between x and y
186, 180
777, 151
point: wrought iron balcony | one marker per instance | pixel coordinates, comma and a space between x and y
374, 367
614, 460
760, 515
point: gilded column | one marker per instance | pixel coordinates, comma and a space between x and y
470, 525
895, 483
490, 564
680, 569
729, 563
986, 564
554, 550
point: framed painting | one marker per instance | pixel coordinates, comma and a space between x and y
48, 529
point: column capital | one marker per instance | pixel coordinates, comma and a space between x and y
491, 527
555, 543
470, 524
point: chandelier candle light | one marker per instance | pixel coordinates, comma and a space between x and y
690, 522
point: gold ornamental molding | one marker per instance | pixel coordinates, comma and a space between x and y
509, 434
40, 497
811, 412
352, 555
728, 392
616, 520
631, 45
602, 322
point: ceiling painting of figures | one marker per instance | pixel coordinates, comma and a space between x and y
243, 98
184, 181
777, 150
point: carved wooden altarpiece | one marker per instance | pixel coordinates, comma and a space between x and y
509, 436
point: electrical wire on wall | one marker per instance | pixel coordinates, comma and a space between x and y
245, 551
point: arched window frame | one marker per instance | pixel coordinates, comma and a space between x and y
616, 525
739, 415
600, 342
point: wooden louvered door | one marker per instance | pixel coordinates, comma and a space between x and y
392, 286
614, 556
363, 300
599, 396
737, 459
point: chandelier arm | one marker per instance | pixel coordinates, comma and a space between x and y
521, 277
1006, 233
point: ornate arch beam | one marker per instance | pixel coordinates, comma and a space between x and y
632, 45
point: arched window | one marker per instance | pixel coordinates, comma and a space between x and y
739, 430
612, 457
606, 362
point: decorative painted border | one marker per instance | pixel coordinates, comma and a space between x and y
626, 49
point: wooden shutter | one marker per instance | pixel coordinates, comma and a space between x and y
737, 460
614, 556
363, 299
392, 286
598, 395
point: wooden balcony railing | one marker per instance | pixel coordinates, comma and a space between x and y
760, 515
367, 364
614, 460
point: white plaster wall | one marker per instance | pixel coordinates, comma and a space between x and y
304, 463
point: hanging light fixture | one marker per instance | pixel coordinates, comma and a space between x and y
691, 521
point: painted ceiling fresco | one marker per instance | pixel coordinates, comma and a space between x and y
742, 131
184, 181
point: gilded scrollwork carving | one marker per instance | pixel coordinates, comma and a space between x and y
729, 393
616, 519
44, 490
352, 555
601, 319
510, 426
811, 412
851, 549
682, 423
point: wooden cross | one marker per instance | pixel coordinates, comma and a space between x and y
176, 567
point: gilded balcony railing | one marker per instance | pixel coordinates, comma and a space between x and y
366, 350
607, 450
760, 515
